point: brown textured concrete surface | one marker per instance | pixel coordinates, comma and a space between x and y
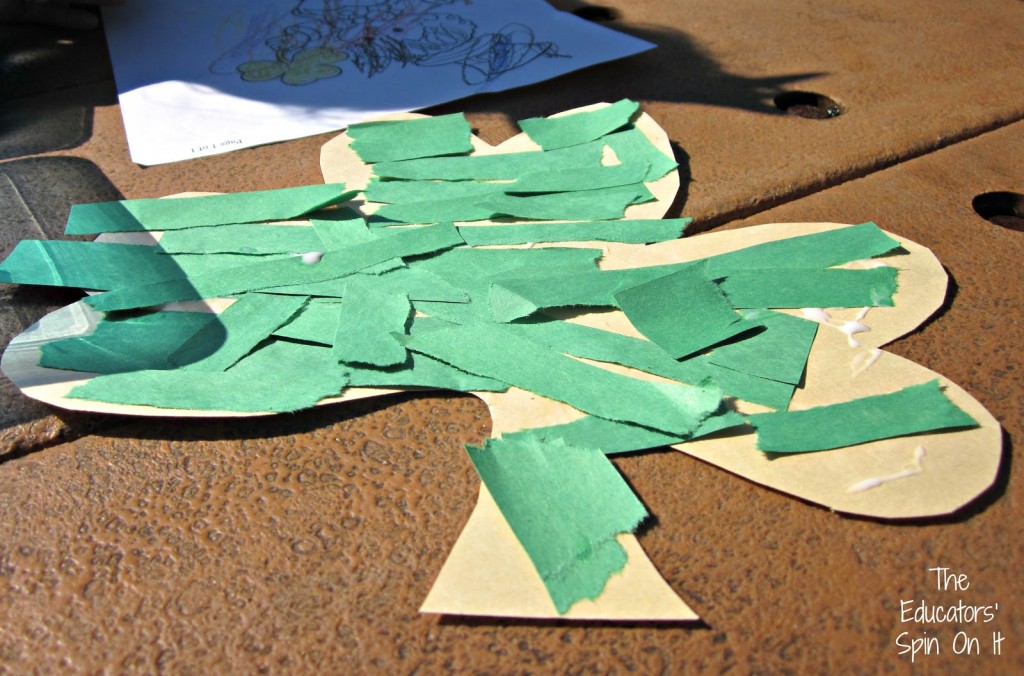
305, 543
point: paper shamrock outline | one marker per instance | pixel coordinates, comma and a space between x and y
637, 559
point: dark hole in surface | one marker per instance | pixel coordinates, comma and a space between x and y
1002, 208
596, 13
808, 104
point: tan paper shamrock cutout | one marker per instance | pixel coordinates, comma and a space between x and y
488, 571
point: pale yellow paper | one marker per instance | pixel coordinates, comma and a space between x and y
489, 573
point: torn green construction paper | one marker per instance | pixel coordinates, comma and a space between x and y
503, 166
126, 344
616, 437
513, 298
587, 178
172, 213
476, 269
106, 265
419, 370
416, 283
818, 250
589, 205
436, 211
566, 505
315, 323
279, 377
570, 130
401, 192
606, 346
593, 205
344, 232
912, 410
741, 385
800, 288
243, 238
631, 146
409, 139
628, 232
777, 353
86, 265
281, 272
502, 353
365, 321
242, 326
682, 313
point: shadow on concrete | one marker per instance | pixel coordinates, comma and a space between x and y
51, 80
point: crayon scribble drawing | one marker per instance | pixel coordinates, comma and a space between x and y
319, 39
262, 71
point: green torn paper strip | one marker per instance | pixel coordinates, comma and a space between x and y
566, 505
503, 166
86, 265
778, 353
126, 344
818, 250
366, 319
238, 330
513, 298
106, 265
419, 370
436, 211
912, 410
633, 147
628, 232
410, 139
589, 178
417, 284
576, 128
281, 272
428, 191
800, 288
476, 269
591, 205
615, 437
344, 232
594, 205
606, 346
243, 238
502, 353
172, 213
541, 181
281, 376
682, 313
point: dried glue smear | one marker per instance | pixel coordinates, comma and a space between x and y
910, 470
850, 328
864, 360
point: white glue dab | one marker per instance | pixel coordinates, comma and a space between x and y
312, 257
910, 470
851, 329
816, 314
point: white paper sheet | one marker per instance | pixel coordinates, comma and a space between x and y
198, 78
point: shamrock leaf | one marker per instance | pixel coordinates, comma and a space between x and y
306, 67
